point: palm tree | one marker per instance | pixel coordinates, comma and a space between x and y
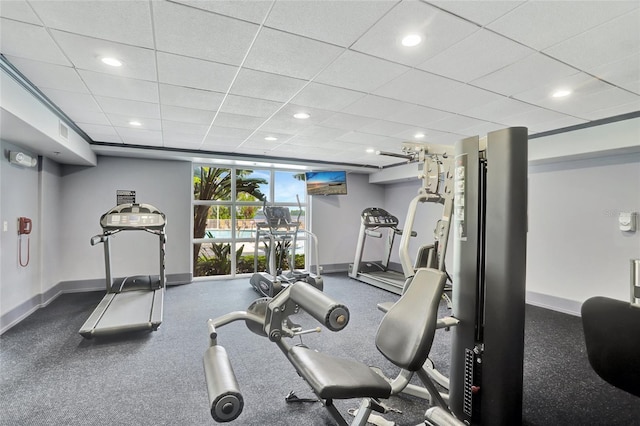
212, 183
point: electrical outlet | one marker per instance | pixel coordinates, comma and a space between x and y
5, 226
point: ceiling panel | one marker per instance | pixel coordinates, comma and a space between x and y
127, 22
438, 29
287, 54
336, 22
121, 87
30, 42
50, 76
523, 24
223, 75
481, 53
86, 53
187, 31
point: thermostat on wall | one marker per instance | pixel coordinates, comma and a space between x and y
627, 221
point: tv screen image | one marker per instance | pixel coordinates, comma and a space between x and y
326, 183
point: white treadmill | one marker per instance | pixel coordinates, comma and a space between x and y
132, 303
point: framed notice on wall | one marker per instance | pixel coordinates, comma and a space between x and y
125, 196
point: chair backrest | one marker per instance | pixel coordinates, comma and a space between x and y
406, 331
612, 336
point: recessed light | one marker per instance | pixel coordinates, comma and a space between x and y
111, 62
270, 138
419, 135
370, 150
561, 93
135, 123
301, 115
411, 40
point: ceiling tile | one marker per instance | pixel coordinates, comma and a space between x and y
590, 105
416, 115
181, 140
336, 22
123, 120
140, 136
536, 118
132, 108
88, 117
524, 23
497, 110
249, 106
353, 70
287, 54
321, 132
528, 73
481, 12
362, 138
126, 88
86, 53
580, 84
186, 115
72, 101
224, 119
429, 135
99, 132
479, 54
190, 98
615, 110
376, 107
330, 98
176, 127
247, 10
385, 128
624, 73
438, 29
30, 42
257, 84
455, 123
417, 86
347, 121
187, 31
612, 41
19, 10
228, 132
555, 124
49, 76
127, 22
194, 73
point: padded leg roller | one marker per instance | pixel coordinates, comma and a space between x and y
327, 311
225, 399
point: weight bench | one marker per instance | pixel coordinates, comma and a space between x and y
404, 337
612, 337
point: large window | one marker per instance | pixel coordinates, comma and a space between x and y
227, 204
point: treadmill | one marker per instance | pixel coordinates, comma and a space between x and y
373, 221
132, 303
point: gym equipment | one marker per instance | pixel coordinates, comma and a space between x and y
132, 303
490, 192
436, 175
277, 232
330, 377
611, 329
490, 240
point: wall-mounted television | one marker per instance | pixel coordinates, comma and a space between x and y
326, 183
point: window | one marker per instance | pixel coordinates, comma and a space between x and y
227, 204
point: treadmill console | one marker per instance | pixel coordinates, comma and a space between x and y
133, 216
374, 217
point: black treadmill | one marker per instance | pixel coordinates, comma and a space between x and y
132, 303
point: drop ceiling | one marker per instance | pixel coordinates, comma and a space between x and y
205, 77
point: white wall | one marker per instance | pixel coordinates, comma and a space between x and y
19, 191
51, 215
89, 192
575, 249
335, 219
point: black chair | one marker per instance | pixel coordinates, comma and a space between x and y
612, 336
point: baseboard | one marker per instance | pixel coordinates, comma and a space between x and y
554, 303
26, 308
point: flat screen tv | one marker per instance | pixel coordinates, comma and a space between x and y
326, 183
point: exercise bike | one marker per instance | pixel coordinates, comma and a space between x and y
279, 234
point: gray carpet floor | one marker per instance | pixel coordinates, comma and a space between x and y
50, 375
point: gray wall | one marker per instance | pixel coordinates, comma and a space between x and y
575, 249
335, 219
19, 191
88, 192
